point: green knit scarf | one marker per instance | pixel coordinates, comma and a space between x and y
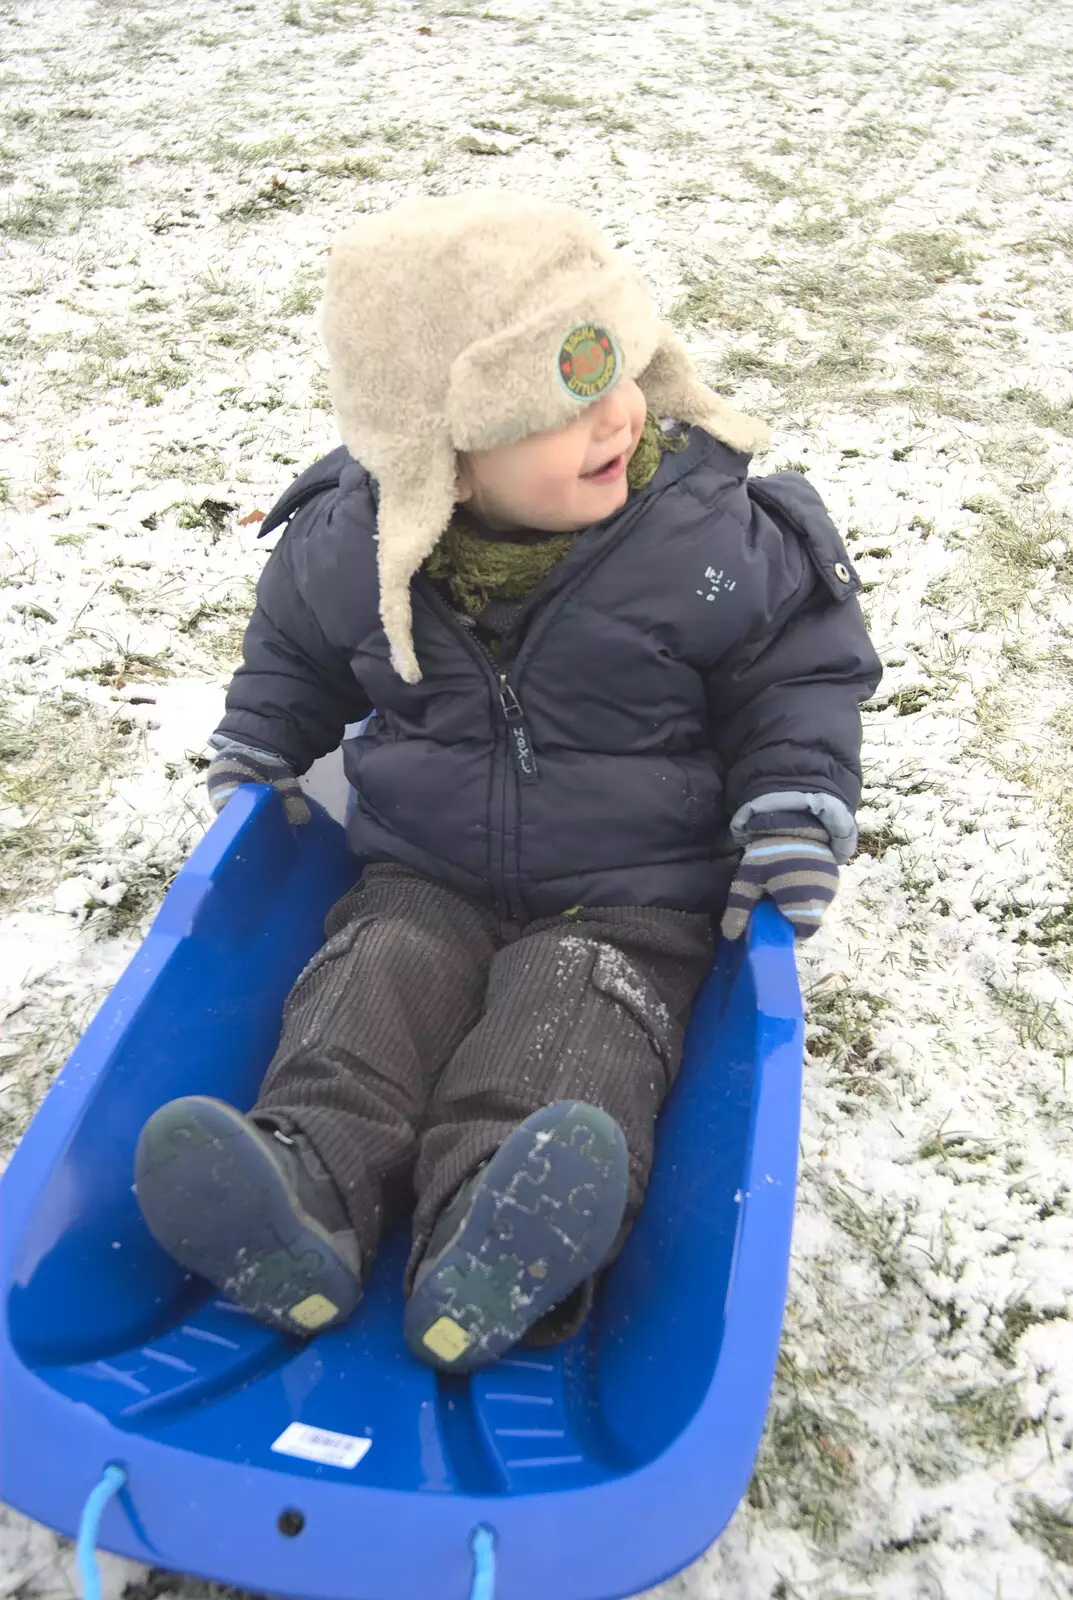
478, 569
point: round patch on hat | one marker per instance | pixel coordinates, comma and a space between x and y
589, 361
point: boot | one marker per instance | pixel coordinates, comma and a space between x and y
519, 1238
247, 1204
564, 1321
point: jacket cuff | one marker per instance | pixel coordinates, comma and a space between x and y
832, 812
224, 741
224, 738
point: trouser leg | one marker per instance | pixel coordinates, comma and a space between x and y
368, 1027
590, 1008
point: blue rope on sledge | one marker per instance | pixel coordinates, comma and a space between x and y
484, 1565
112, 1480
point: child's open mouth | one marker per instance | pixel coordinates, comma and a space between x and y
608, 472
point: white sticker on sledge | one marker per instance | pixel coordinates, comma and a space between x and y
321, 1444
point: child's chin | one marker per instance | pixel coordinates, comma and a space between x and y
614, 496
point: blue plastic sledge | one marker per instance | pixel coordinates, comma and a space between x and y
599, 1468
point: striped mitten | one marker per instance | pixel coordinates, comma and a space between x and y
788, 858
237, 764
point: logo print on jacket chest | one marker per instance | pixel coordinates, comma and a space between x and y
717, 582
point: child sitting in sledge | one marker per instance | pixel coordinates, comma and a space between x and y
616, 687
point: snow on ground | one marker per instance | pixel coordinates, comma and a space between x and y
860, 215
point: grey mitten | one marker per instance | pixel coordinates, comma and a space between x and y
237, 764
787, 857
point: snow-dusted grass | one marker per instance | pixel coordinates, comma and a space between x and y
860, 216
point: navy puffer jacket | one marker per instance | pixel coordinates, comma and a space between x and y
700, 648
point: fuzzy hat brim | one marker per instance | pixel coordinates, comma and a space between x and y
444, 322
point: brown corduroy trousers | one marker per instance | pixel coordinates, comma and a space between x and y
426, 1029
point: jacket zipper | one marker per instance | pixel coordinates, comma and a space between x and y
518, 749
519, 738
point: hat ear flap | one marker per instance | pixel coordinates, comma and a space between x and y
672, 388
417, 499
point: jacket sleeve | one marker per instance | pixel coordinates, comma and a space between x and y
786, 703
295, 692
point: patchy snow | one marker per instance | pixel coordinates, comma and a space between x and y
861, 216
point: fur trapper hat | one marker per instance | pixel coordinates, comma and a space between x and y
470, 321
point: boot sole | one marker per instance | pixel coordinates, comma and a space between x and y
543, 1217
214, 1199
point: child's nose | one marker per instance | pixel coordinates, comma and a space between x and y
614, 413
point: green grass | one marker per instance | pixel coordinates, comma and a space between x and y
1056, 415
842, 365
126, 666
145, 884
400, 135
275, 195
1010, 552
849, 292
99, 181
712, 299
554, 100
988, 1418
303, 296
936, 256
1047, 242
806, 1470
38, 1042
237, 156
361, 168
165, 369
678, 138
879, 1230
772, 184
815, 230
742, 363
141, 42
212, 515
1016, 1319
1049, 1528
1043, 763
610, 120
218, 298
1038, 1023
854, 303
33, 216
192, 463
108, 358
52, 766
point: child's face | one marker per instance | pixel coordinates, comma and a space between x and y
553, 480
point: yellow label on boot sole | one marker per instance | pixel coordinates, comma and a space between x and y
447, 1340
313, 1312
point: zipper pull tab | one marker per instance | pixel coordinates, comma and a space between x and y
521, 745
512, 708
